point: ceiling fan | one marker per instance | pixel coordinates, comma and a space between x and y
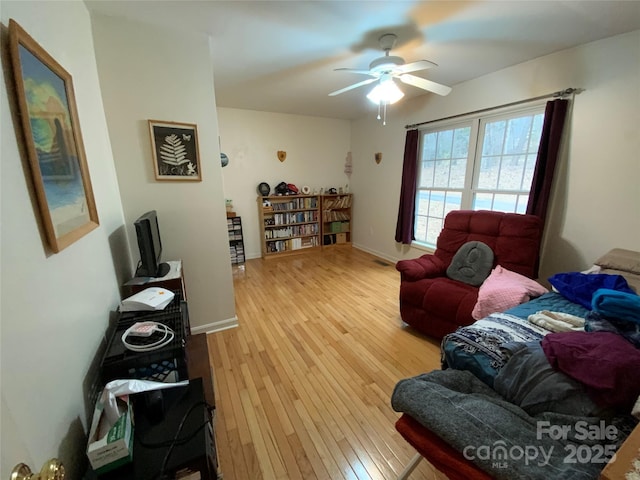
387, 68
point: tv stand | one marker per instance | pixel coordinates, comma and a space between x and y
171, 280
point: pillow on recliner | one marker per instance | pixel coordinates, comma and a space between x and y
504, 289
471, 264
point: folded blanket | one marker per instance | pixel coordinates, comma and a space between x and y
616, 304
557, 321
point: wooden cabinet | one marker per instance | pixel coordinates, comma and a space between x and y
236, 240
289, 224
336, 219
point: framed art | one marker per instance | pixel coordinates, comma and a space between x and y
53, 142
175, 150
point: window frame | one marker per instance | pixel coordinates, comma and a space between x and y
477, 124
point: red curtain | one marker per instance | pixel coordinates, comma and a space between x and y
406, 210
554, 117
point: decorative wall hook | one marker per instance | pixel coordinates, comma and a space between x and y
282, 155
378, 157
348, 164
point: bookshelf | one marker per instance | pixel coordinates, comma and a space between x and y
289, 224
336, 219
236, 240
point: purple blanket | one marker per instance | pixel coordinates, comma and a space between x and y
604, 362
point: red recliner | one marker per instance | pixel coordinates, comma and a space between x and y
436, 305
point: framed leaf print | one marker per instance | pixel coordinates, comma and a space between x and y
175, 150
53, 142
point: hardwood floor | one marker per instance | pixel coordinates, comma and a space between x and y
303, 385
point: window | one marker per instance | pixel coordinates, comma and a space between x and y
484, 163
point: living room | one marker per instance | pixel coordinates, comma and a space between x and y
55, 307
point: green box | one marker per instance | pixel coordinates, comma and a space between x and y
113, 448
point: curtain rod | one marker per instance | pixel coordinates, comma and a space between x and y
560, 94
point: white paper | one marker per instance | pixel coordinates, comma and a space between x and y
118, 388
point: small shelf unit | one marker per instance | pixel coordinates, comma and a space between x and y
236, 240
336, 219
289, 224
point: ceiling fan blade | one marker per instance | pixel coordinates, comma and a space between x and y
415, 66
425, 84
351, 87
352, 70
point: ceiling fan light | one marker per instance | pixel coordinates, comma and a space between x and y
386, 92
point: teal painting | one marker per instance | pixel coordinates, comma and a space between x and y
54, 143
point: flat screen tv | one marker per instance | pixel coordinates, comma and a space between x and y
150, 247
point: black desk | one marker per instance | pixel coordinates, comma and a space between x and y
166, 364
194, 455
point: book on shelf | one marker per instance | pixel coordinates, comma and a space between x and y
335, 215
337, 202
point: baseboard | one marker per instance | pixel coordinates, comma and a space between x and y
216, 326
376, 253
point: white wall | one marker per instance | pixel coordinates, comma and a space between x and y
596, 192
55, 307
148, 72
316, 152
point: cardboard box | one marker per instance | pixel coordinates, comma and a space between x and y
341, 238
111, 446
622, 463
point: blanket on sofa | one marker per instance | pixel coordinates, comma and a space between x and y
594, 322
484, 339
620, 305
580, 287
500, 437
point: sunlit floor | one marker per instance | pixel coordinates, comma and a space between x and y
303, 385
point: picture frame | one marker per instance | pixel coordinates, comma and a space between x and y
174, 147
53, 142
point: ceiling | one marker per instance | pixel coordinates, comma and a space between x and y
280, 56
